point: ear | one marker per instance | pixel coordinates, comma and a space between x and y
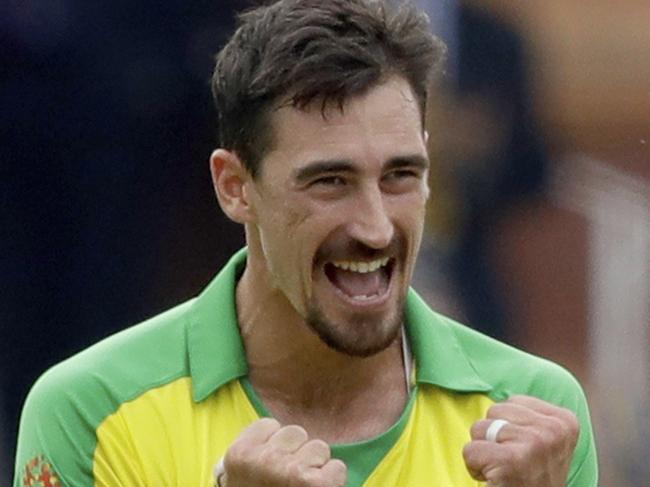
230, 179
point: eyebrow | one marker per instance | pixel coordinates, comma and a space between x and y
416, 161
307, 172
317, 168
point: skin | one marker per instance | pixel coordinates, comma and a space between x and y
364, 210
347, 186
274, 456
533, 450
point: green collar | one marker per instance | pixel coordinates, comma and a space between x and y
216, 351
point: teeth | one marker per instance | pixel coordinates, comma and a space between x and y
364, 297
361, 267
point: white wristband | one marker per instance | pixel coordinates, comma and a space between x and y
219, 472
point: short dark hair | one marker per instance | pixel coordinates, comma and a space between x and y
299, 51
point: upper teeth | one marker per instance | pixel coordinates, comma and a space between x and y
362, 267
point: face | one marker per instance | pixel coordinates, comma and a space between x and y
339, 208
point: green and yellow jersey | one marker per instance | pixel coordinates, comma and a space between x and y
158, 404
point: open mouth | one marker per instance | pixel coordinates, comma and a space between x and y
361, 281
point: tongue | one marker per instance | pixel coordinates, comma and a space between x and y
358, 284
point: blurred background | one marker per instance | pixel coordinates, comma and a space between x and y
539, 226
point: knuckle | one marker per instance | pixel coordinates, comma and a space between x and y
496, 477
295, 433
520, 457
298, 476
555, 432
568, 431
573, 424
293, 470
235, 454
339, 472
541, 441
496, 410
311, 478
296, 430
319, 447
267, 457
267, 423
544, 438
239, 460
476, 430
492, 410
320, 444
469, 454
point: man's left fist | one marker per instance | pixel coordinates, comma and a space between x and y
534, 448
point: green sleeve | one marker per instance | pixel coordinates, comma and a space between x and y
584, 467
558, 386
56, 438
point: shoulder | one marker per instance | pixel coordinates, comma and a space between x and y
69, 401
123, 364
509, 370
457, 357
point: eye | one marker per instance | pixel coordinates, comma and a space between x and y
401, 174
329, 181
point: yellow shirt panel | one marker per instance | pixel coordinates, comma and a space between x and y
180, 439
429, 451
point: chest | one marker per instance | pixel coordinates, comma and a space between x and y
168, 440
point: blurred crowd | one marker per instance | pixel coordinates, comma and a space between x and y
107, 208
108, 215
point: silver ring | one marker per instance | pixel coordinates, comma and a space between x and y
219, 472
494, 428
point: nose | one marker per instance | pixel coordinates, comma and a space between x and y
370, 222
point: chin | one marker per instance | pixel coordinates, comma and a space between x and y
358, 336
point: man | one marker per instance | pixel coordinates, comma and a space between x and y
308, 361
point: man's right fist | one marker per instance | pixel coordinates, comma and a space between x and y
269, 454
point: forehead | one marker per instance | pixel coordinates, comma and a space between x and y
383, 123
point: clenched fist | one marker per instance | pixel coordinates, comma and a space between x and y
268, 454
533, 449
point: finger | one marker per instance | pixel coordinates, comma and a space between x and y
314, 453
336, 471
475, 474
260, 431
288, 438
514, 413
482, 458
554, 418
542, 407
508, 432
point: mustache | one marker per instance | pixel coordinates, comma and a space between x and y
351, 249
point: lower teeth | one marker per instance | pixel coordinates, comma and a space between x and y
364, 297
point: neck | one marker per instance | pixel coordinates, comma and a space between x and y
301, 380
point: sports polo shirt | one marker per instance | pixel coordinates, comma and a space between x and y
159, 403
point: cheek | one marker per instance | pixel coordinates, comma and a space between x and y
410, 214
296, 217
308, 220
286, 237
278, 217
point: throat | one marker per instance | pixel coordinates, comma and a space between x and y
343, 407
360, 417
